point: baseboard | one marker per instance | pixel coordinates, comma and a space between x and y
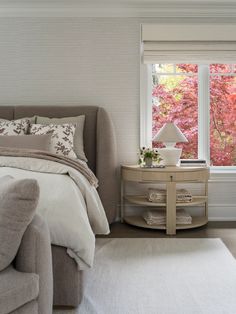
222, 218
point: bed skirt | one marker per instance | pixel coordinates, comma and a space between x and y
67, 280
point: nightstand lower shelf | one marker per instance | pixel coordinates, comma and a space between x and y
138, 221
143, 201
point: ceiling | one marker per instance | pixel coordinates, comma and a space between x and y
119, 8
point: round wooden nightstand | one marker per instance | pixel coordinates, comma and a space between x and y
170, 176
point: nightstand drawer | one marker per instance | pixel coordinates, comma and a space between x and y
131, 175
200, 176
157, 176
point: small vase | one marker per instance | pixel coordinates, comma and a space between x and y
148, 162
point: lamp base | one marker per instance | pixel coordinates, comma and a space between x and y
170, 155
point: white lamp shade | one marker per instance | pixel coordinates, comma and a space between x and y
170, 133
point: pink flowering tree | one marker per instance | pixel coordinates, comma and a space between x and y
179, 103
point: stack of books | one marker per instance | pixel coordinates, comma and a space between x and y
159, 195
193, 163
158, 217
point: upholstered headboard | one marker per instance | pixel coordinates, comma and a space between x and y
99, 144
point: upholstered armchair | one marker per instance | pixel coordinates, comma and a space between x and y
26, 286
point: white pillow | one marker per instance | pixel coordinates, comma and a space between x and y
14, 127
62, 137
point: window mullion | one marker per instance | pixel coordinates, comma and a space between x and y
204, 113
146, 105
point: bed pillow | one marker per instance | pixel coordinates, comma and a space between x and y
62, 136
14, 127
79, 131
39, 142
18, 201
31, 119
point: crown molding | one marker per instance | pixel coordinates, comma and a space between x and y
119, 8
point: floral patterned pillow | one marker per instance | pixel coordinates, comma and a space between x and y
14, 127
62, 137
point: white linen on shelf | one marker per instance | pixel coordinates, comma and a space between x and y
158, 217
156, 195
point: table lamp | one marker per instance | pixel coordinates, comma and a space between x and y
170, 134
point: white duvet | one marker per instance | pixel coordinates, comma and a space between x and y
69, 204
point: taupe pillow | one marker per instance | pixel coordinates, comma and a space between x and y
18, 201
79, 131
39, 142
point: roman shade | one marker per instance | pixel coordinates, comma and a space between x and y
188, 43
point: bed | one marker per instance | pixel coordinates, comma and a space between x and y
100, 150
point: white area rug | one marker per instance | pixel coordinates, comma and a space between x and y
160, 276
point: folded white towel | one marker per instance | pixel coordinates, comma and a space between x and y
159, 195
156, 195
158, 217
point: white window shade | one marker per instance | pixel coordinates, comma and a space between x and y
187, 43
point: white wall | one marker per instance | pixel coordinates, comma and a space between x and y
84, 61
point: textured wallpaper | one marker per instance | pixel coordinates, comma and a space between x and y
70, 61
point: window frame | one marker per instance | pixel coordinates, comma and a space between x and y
203, 114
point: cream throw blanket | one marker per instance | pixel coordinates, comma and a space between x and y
74, 163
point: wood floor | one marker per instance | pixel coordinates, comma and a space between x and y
224, 230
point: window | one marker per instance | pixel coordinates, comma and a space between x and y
201, 100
